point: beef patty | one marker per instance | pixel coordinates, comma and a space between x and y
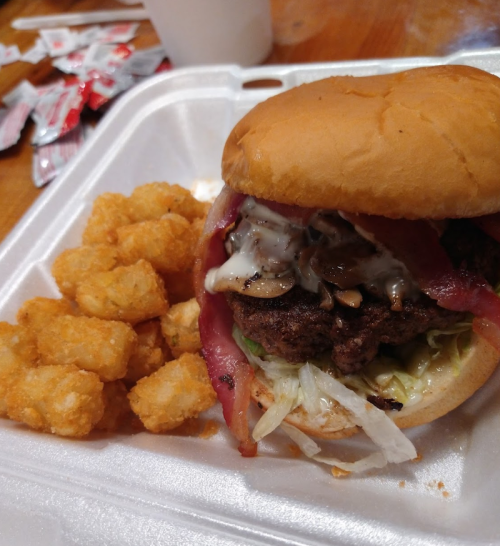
295, 327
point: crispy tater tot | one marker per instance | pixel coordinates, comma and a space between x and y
151, 201
116, 406
168, 244
180, 327
178, 391
74, 265
63, 400
18, 341
101, 346
36, 313
133, 293
151, 351
179, 285
110, 210
17, 351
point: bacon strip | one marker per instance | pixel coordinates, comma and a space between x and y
229, 370
416, 244
294, 213
490, 224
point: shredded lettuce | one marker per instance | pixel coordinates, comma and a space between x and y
315, 390
377, 425
285, 398
254, 347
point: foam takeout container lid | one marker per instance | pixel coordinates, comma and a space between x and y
119, 489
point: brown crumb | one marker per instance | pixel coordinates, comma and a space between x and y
210, 429
418, 458
294, 450
440, 485
446, 494
190, 427
339, 473
402, 483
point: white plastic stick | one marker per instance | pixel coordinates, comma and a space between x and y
83, 18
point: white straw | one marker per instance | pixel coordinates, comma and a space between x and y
83, 18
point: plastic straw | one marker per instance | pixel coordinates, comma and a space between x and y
83, 18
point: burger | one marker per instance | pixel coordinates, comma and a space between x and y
347, 271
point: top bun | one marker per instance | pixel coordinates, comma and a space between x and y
424, 143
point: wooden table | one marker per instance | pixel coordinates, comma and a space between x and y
304, 31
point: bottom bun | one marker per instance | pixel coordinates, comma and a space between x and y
445, 392
332, 425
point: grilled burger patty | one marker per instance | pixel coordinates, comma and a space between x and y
295, 327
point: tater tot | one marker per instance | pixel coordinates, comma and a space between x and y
62, 400
180, 327
110, 211
17, 351
133, 293
168, 244
152, 201
74, 265
116, 406
151, 351
18, 341
92, 344
36, 313
178, 391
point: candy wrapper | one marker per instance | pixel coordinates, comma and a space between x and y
20, 102
50, 160
58, 110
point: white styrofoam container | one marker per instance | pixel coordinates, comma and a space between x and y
171, 489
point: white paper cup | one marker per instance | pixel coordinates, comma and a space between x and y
195, 32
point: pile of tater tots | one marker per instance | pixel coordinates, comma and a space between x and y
122, 341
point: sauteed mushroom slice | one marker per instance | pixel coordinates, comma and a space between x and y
349, 298
342, 265
258, 286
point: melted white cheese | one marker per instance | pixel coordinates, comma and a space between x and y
268, 245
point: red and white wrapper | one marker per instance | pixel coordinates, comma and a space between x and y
106, 58
50, 160
36, 53
20, 102
9, 54
58, 111
103, 66
105, 87
72, 63
117, 33
144, 62
59, 41
89, 36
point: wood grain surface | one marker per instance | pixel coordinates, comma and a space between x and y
304, 31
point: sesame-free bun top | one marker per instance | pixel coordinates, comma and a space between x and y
424, 143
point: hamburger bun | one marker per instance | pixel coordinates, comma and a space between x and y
416, 144
445, 392
419, 144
